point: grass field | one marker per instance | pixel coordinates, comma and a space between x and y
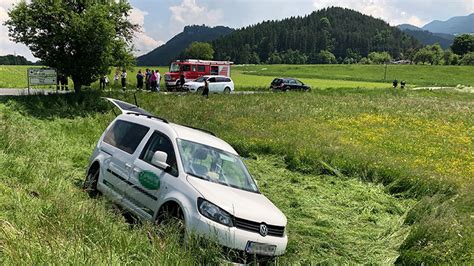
259, 77
414, 75
363, 175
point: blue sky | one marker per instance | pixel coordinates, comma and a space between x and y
162, 19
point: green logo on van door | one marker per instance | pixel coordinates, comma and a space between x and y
149, 180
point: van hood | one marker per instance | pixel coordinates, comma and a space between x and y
240, 203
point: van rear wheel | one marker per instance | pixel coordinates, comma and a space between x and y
90, 184
227, 90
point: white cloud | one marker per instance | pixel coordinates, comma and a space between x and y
7, 46
143, 43
390, 11
190, 13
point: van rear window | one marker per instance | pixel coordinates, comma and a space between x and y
125, 135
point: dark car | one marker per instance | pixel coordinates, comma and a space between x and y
286, 84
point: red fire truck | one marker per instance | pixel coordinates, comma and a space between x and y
193, 69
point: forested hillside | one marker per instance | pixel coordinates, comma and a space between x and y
14, 60
429, 38
344, 32
166, 53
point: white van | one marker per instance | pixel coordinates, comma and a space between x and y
217, 84
158, 169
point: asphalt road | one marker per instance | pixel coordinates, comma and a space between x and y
20, 92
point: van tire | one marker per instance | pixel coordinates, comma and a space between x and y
90, 184
227, 90
200, 90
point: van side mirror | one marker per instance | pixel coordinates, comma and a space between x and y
159, 160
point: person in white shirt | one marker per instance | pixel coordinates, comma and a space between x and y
124, 80
158, 79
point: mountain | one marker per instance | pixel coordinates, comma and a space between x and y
343, 31
408, 27
166, 53
454, 25
428, 38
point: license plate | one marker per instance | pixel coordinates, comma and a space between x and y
260, 248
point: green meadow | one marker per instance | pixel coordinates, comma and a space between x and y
365, 174
351, 174
259, 77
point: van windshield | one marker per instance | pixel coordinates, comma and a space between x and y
215, 165
174, 67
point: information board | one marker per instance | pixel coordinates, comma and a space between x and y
42, 76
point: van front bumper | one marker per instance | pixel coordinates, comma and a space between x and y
234, 238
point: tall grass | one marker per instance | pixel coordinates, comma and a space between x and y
417, 144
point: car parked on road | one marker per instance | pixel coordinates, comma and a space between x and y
287, 84
157, 169
217, 84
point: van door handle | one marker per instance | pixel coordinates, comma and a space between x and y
137, 170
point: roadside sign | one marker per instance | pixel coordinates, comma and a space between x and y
42, 76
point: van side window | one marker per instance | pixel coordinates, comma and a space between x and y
201, 68
125, 135
211, 80
159, 142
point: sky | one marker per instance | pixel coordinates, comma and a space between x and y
160, 20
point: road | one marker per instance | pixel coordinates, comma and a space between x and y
20, 92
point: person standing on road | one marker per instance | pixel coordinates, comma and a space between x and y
102, 82
158, 80
140, 80
116, 77
147, 79
124, 79
205, 91
64, 82
181, 81
152, 80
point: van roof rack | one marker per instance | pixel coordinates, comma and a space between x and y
200, 129
149, 116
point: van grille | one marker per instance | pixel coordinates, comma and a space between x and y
251, 226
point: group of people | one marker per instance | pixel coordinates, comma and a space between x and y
62, 82
151, 79
402, 84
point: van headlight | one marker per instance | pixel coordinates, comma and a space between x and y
212, 212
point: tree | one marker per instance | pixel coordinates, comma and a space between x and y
81, 39
274, 58
463, 44
199, 50
423, 56
432, 54
450, 58
380, 58
324, 57
468, 59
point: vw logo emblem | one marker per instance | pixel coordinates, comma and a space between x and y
263, 229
